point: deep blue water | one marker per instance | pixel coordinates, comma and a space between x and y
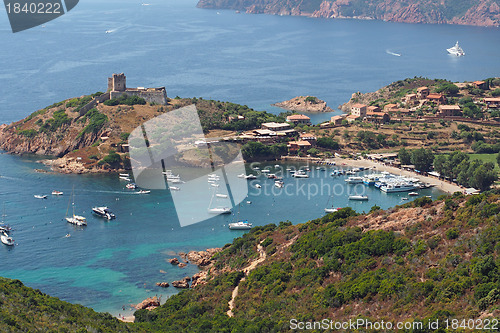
249, 59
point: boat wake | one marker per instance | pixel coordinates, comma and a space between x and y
392, 53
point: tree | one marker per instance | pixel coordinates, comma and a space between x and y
313, 152
441, 164
404, 156
422, 159
483, 177
326, 142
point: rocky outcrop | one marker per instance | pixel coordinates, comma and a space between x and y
182, 284
200, 258
199, 279
304, 104
149, 304
174, 261
481, 13
163, 284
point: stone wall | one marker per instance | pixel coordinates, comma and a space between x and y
156, 96
93, 103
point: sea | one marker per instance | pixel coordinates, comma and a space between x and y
255, 60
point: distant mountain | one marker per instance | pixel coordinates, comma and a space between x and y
466, 12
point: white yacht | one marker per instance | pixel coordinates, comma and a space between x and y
57, 192
74, 219
358, 197
300, 174
240, 225
143, 192
456, 50
251, 176
174, 188
6, 239
397, 187
331, 210
354, 180
39, 196
279, 184
220, 210
104, 212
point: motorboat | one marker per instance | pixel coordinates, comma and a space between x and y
279, 184
57, 193
104, 212
413, 194
456, 50
125, 178
131, 186
300, 174
251, 176
241, 175
220, 210
143, 192
174, 188
214, 185
331, 210
6, 239
354, 180
124, 175
40, 196
221, 195
240, 225
397, 187
258, 186
358, 197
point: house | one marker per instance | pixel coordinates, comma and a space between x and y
308, 137
372, 108
449, 111
423, 92
235, 118
358, 110
276, 126
295, 146
299, 119
350, 118
492, 102
391, 108
480, 84
378, 117
436, 98
410, 99
336, 120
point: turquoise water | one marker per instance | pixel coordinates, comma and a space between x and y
249, 59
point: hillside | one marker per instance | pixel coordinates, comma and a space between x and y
470, 12
96, 141
414, 263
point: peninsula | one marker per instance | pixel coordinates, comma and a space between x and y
304, 104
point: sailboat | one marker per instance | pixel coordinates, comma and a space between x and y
331, 209
240, 225
456, 50
217, 210
75, 219
4, 236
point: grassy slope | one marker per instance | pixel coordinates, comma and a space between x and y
486, 158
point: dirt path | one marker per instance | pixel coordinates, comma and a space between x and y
246, 270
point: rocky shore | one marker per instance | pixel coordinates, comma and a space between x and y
304, 104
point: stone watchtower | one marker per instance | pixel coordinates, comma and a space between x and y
118, 82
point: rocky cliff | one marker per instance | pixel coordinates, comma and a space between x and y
472, 12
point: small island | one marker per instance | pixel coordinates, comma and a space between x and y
304, 104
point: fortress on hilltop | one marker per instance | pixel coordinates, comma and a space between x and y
117, 86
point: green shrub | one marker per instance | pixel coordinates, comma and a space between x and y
452, 233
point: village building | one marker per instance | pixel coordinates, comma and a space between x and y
336, 120
410, 99
276, 126
299, 119
480, 84
378, 117
308, 137
423, 92
391, 108
436, 98
449, 111
350, 118
295, 146
492, 102
373, 108
358, 110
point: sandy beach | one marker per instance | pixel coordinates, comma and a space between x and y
127, 319
379, 167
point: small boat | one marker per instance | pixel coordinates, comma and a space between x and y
67, 236
404, 198
104, 212
174, 188
39, 196
300, 174
220, 210
57, 193
249, 202
125, 178
221, 195
214, 185
131, 186
266, 171
413, 194
279, 184
331, 210
250, 176
272, 176
354, 180
258, 186
143, 192
240, 225
6, 239
358, 197
276, 166
242, 175
124, 175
